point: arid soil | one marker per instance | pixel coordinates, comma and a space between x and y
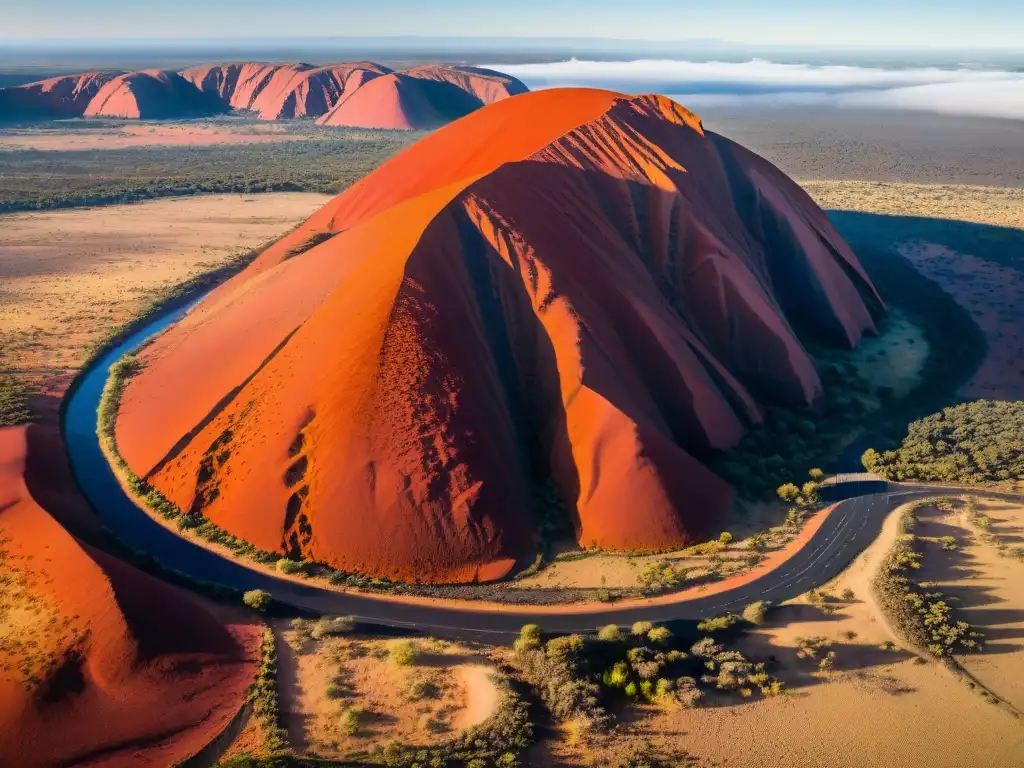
877, 706
980, 266
443, 690
99, 661
994, 295
996, 206
984, 576
70, 277
70, 137
879, 146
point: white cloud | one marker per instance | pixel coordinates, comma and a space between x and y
758, 82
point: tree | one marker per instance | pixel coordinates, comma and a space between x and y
528, 640
642, 628
816, 474
788, 492
257, 599
659, 635
755, 612
870, 460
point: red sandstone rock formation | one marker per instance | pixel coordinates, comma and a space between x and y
101, 664
567, 289
421, 97
151, 94
57, 97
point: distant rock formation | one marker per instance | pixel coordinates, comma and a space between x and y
58, 97
421, 97
568, 294
152, 94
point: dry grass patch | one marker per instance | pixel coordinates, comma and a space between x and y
69, 277
997, 206
347, 697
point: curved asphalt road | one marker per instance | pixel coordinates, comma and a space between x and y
849, 529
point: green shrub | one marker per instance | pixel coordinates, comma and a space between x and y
719, 623
659, 635
263, 696
350, 720
332, 625
289, 567
13, 402
788, 492
949, 543
610, 634
257, 599
403, 652
755, 612
642, 628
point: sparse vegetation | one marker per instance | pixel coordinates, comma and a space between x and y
756, 612
719, 623
403, 652
257, 599
263, 696
13, 402
329, 163
661, 575
575, 676
949, 543
924, 618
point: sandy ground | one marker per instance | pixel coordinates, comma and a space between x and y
876, 707
72, 137
997, 206
68, 277
994, 295
319, 681
986, 586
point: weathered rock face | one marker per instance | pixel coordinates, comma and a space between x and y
151, 94
569, 289
57, 97
125, 667
422, 97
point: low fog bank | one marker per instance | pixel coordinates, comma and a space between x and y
966, 90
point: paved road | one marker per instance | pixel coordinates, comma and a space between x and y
849, 529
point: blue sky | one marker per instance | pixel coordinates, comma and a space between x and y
983, 24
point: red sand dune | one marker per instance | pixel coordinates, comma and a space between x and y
420, 97
151, 94
569, 286
141, 674
57, 97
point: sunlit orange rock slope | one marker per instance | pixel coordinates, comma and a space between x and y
100, 664
421, 97
569, 288
151, 94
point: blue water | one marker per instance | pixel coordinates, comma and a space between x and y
96, 479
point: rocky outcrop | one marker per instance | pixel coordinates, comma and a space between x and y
569, 294
151, 94
421, 97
